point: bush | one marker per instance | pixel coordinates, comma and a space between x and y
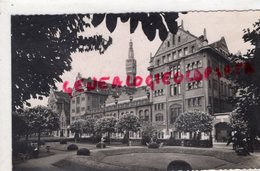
83, 152
99, 145
153, 145
24, 147
145, 139
63, 141
96, 138
173, 142
178, 165
189, 143
72, 147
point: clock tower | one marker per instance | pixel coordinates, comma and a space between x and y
131, 65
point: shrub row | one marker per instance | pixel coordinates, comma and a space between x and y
189, 143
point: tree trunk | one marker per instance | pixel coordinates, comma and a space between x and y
128, 137
39, 139
109, 139
190, 134
26, 136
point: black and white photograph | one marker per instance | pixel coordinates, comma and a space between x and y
135, 91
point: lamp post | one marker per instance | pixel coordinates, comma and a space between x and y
116, 103
104, 109
131, 98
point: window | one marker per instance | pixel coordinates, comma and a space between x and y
174, 55
77, 109
73, 101
225, 89
158, 62
175, 111
215, 85
194, 102
173, 40
83, 98
209, 83
193, 65
192, 49
194, 85
169, 57
158, 117
73, 110
82, 108
88, 97
180, 53
189, 103
163, 59
199, 101
185, 51
155, 106
78, 100
221, 87
199, 63
175, 89
146, 115
168, 43
179, 39
88, 107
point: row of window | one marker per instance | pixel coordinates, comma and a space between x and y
175, 55
78, 109
175, 89
194, 85
194, 65
225, 89
195, 102
158, 106
158, 92
78, 99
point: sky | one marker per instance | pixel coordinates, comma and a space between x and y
112, 62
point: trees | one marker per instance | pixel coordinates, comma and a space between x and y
42, 46
41, 49
77, 128
19, 126
88, 126
149, 130
41, 119
106, 125
194, 122
150, 22
245, 116
127, 123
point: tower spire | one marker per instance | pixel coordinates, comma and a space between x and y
131, 65
131, 50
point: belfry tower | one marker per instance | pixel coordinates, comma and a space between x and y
131, 64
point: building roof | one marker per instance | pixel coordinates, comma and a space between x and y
124, 96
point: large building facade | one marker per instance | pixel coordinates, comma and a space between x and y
184, 53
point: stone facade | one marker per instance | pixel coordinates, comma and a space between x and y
183, 53
60, 102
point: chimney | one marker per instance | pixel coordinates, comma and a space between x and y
205, 40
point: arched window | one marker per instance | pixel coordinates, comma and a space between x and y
175, 111
132, 112
140, 114
146, 115
159, 117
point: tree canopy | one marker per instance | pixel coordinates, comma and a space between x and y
106, 125
42, 46
128, 122
245, 116
194, 121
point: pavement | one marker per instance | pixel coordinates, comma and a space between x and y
46, 163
